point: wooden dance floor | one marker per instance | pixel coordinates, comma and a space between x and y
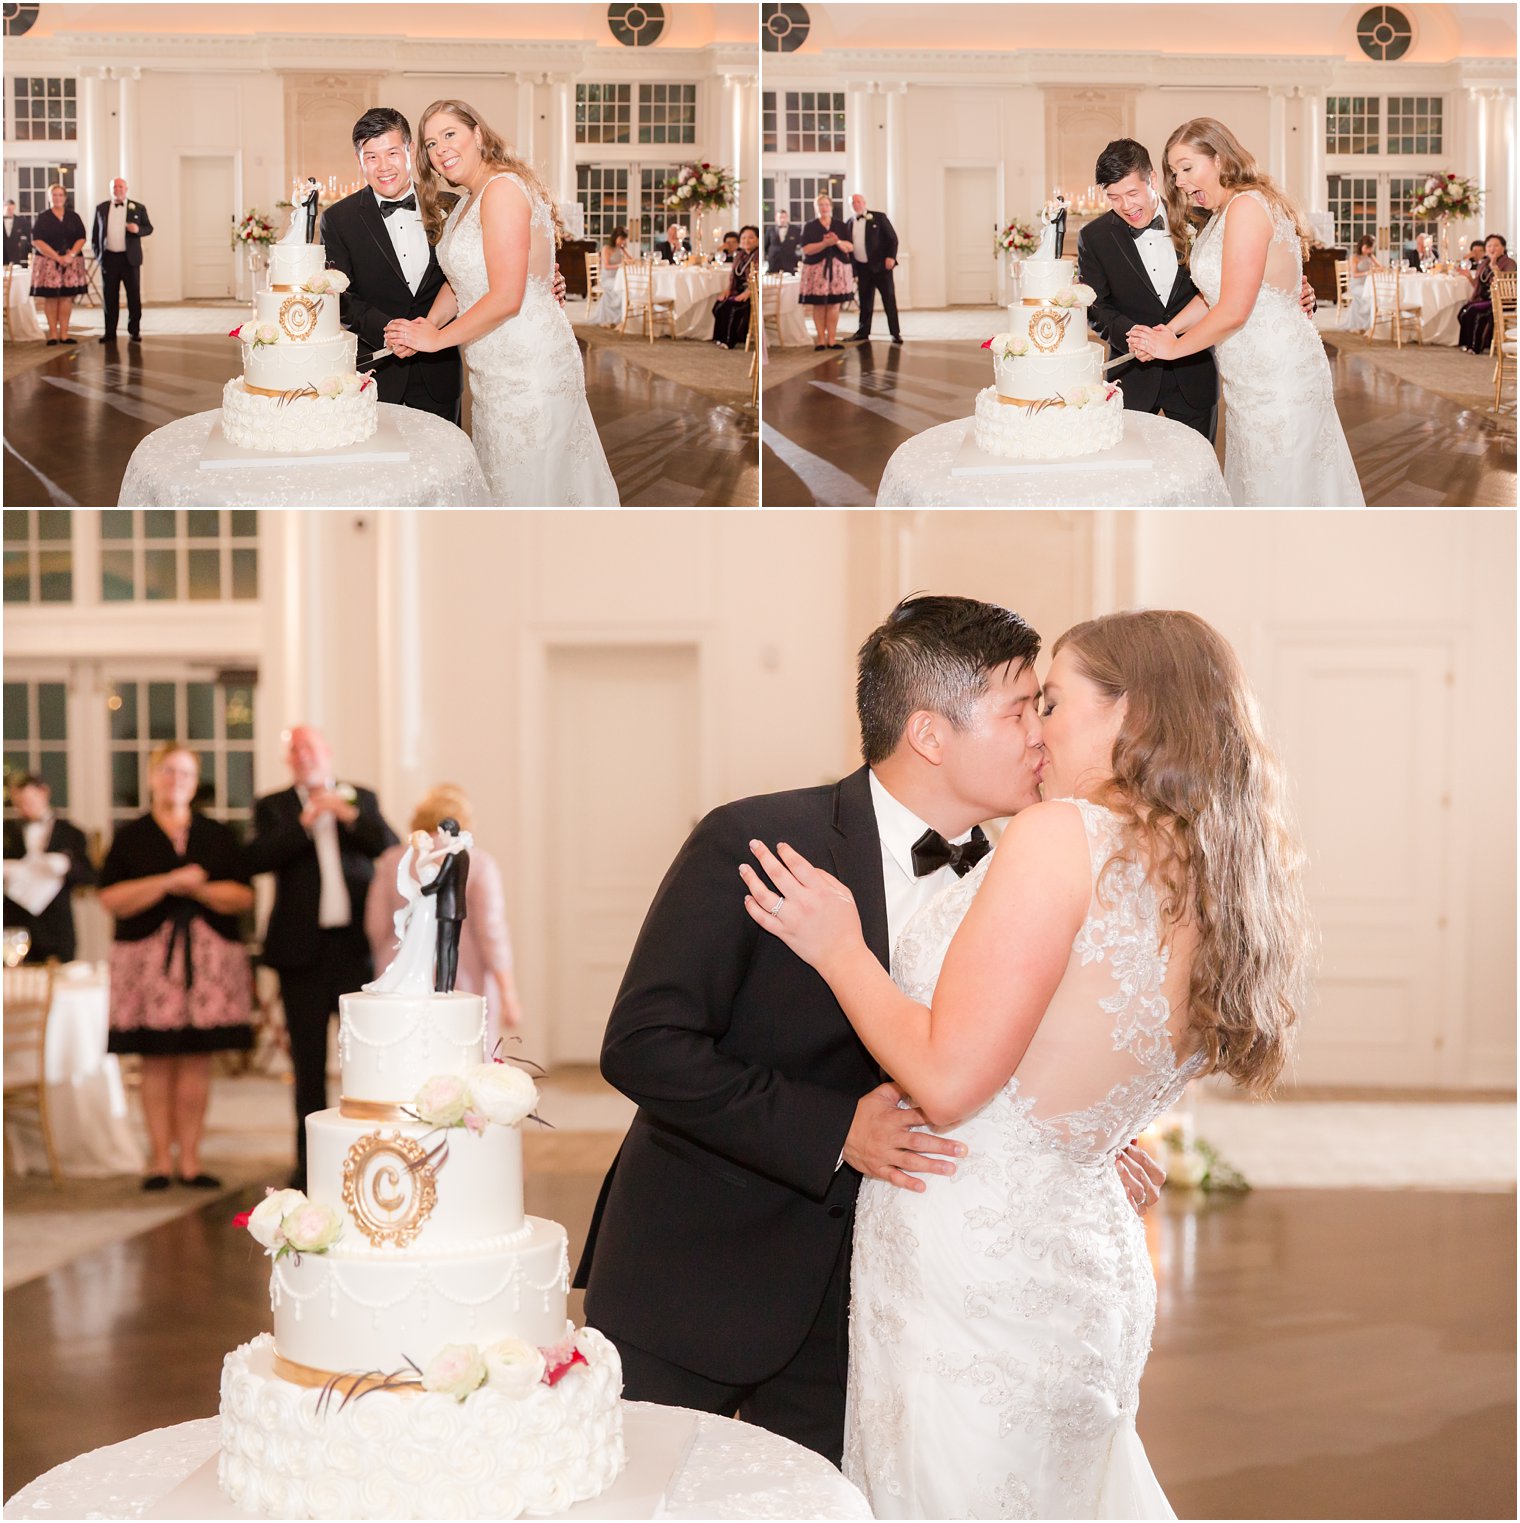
72, 423
829, 432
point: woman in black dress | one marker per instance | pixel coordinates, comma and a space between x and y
828, 277
180, 984
731, 317
1475, 322
58, 271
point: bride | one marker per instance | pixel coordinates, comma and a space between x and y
1284, 446
1142, 927
529, 421
416, 922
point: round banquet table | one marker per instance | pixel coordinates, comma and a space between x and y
1185, 474
693, 288
164, 471
793, 320
727, 1470
21, 325
1438, 297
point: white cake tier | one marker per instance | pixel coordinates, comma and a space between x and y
1051, 432
1050, 329
1039, 278
1033, 377
342, 1312
475, 1201
287, 1453
390, 1045
300, 317
293, 264
300, 426
288, 366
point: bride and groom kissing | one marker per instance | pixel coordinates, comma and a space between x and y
969, 1343
451, 255
1201, 281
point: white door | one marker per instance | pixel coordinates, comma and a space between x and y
623, 795
970, 222
206, 203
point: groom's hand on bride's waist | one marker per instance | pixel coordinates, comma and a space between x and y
559, 286
882, 1143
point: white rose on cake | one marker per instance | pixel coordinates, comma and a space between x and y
514, 1368
502, 1093
455, 1371
264, 1221
312, 1229
1074, 295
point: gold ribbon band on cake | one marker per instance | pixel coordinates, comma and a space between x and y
350, 1385
265, 391
371, 1110
1029, 401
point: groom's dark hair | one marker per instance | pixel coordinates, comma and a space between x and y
1124, 156
933, 653
379, 120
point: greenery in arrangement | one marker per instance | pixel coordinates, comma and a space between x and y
1447, 195
1191, 1163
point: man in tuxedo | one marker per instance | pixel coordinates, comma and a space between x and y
782, 245
718, 1255
320, 838
376, 237
120, 227
1418, 253
51, 854
448, 889
18, 236
874, 240
675, 238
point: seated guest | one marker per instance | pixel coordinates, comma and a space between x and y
1474, 254
730, 249
180, 982
1475, 322
1418, 254
485, 947
731, 317
782, 245
675, 238
615, 251
1365, 260
45, 860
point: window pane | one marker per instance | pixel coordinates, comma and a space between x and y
55, 576
205, 568
116, 576
53, 767
245, 573
238, 717
205, 795
158, 523
122, 704
16, 530
16, 723
116, 523
239, 779
124, 794
18, 577
161, 721
158, 575
200, 721
245, 523
203, 523
52, 720
54, 523
16, 765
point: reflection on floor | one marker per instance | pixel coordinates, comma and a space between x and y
829, 431
73, 420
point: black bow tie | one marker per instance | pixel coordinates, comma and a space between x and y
405, 204
118, 203
931, 851
1157, 224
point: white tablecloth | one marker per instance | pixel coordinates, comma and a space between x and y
21, 325
164, 471
1438, 298
87, 1106
1185, 474
693, 289
794, 327
731, 1470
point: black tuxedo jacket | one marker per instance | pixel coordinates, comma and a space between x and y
880, 237
353, 232
18, 242
280, 845
782, 250
136, 212
1109, 262
665, 252
448, 887
53, 930
724, 1213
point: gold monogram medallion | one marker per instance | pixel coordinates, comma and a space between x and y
298, 316
1047, 328
387, 1191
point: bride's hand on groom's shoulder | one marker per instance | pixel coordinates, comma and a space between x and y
809, 909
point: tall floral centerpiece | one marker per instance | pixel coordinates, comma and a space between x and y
253, 234
698, 188
1018, 238
1449, 198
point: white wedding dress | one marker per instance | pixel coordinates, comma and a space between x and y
416, 925
1283, 445
1000, 1320
529, 421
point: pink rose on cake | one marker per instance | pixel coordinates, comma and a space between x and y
265, 1221
1074, 295
1007, 346
330, 386
333, 282
311, 1228
443, 1100
455, 1371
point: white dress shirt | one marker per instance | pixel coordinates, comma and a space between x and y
1159, 256
858, 250
335, 906
408, 238
116, 228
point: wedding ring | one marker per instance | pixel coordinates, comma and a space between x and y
775, 909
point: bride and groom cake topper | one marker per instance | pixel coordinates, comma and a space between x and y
431, 879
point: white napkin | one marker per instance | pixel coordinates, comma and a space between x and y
34, 882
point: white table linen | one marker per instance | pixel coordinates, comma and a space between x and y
164, 471
92, 1130
1185, 474
731, 1470
693, 289
21, 325
1437, 298
794, 325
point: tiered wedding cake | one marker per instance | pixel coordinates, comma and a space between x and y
422, 1365
1049, 398
299, 390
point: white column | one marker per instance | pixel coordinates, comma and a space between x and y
399, 647
897, 186
527, 116
1314, 152
562, 137
857, 128
1505, 163
1277, 135
126, 125
88, 178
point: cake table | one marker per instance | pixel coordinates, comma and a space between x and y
165, 471
722, 1469
1183, 473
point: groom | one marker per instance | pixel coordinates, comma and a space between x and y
718, 1255
448, 887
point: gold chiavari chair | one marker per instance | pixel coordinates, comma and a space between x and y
593, 276
640, 301
1342, 284
1501, 292
1391, 305
770, 302
28, 1001
752, 332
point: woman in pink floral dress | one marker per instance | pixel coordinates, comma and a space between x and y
180, 983
828, 276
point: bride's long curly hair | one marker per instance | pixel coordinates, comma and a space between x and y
493, 147
1237, 171
1202, 799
